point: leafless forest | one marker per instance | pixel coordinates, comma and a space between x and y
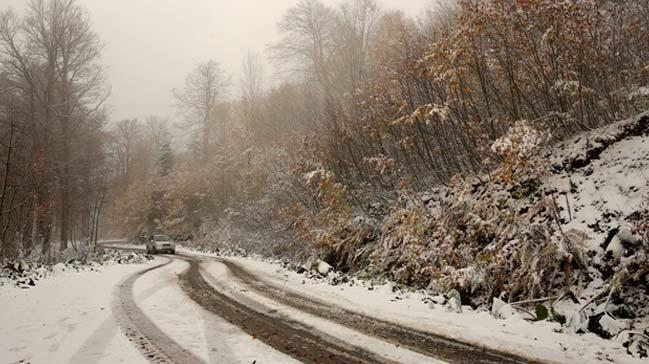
372, 109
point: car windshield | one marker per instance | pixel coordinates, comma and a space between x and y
161, 238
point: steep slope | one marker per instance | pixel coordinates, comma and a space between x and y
562, 227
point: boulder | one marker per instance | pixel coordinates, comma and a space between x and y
454, 303
323, 268
503, 310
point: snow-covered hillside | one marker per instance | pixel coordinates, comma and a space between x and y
561, 234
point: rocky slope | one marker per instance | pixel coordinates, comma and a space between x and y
561, 234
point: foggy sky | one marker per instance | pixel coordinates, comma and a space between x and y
152, 44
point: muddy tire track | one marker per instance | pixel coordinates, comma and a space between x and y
152, 342
294, 339
425, 343
305, 343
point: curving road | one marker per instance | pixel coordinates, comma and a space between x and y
295, 339
152, 342
432, 345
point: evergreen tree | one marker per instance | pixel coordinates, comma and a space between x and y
165, 159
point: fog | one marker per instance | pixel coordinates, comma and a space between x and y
488, 146
152, 44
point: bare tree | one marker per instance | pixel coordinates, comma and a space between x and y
308, 43
51, 60
205, 88
252, 79
126, 136
10, 192
355, 28
158, 130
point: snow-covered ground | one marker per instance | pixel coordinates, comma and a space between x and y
612, 187
66, 319
538, 340
206, 335
220, 278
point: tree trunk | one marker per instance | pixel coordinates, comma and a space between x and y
65, 186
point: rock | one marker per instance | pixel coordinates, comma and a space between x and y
309, 265
439, 300
337, 279
611, 326
323, 268
503, 310
637, 345
609, 237
605, 326
454, 303
576, 322
615, 248
628, 239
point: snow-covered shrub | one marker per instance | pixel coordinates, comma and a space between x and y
330, 224
641, 224
516, 148
631, 266
481, 241
520, 233
27, 272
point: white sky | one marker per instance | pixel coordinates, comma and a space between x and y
152, 44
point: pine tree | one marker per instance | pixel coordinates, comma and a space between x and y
165, 159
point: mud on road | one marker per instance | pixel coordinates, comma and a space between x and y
297, 340
302, 343
152, 342
294, 339
426, 343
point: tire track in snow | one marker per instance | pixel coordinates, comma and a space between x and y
292, 338
90, 351
152, 342
303, 344
436, 346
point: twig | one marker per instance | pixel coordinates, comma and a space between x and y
524, 310
560, 298
597, 296
636, 332
608, 299
536, 300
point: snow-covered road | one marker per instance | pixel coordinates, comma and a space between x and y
198, 309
